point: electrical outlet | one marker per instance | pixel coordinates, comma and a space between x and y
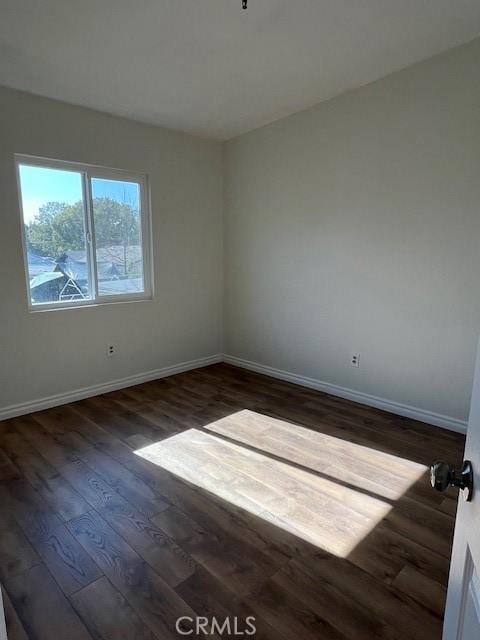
355, 360
110, 350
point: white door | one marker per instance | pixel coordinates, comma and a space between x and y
462, 615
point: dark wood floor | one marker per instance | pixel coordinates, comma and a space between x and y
219, 492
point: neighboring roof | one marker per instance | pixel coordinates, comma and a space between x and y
130, 285
39, 264
78, 269
47, 276
110, 263
36, 258
113, 255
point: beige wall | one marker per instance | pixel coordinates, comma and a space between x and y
53, 352
352, 226
355, 226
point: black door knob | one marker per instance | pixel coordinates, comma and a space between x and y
443, 476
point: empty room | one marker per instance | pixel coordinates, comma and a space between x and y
239, 319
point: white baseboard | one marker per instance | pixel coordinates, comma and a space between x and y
104, 387
446, 422
436, 419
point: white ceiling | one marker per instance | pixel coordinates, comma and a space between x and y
210, 68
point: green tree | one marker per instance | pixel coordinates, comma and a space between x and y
40, 230
116, 229
59, 228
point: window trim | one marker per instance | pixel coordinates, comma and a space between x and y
89, 171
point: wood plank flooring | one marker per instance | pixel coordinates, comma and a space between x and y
220, 492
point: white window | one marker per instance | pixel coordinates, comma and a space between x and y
86, 233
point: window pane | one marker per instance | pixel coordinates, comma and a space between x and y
55, 239
118, 236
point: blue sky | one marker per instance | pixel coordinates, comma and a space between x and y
41, 185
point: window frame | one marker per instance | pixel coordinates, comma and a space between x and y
89, 172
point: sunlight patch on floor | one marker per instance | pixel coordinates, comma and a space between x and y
380, 473
316, 491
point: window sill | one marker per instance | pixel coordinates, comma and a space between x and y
85, 305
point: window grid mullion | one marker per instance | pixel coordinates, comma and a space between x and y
146, 236
90, 227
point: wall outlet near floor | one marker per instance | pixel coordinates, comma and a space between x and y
355, 360
111, 350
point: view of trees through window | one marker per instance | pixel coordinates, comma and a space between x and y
55, 219
59, 229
